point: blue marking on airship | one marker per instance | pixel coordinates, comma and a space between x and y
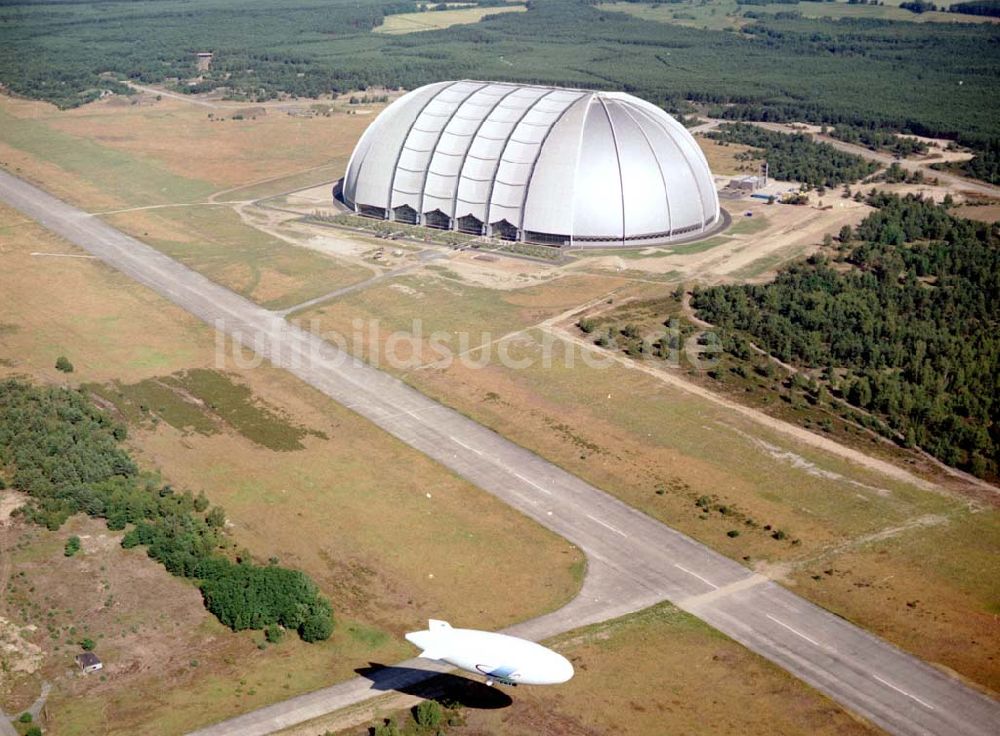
505, 671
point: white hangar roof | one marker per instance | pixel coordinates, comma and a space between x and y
559, 165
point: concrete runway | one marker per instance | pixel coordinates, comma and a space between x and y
633, 560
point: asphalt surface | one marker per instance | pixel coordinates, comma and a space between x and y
633, 560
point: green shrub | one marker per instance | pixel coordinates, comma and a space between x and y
274, 633
318, 625
387, 728
65, 455
25, 717
246, 596
428, 714
87, 644
72, 546
63, 364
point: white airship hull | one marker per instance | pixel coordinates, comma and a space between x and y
500, 658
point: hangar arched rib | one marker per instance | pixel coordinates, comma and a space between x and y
472, 139
489, 195
399, 155
618, 158
538, 154
659, 168
437, 141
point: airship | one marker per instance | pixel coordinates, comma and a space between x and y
500, 658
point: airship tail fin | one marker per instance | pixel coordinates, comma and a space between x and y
427, 640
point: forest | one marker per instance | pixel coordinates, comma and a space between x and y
868, 72
879, 140
906, 325
797, 157
985, 165
65, 453
978, 7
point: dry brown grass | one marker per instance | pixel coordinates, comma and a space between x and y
464, 314
657, 672
983, 212
216, 242
722, 157
671, 674
80, 308
224, 153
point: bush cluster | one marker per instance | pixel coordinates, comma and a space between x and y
797, 157
65, 455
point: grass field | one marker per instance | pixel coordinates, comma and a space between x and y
108, 157
120, 177
749, 225
464, 315
672, 675
438, 19
700, 246
205, 402
391, 543
889, 11
768, 263
215, 241
722, 157
113, 154
659, 671
718, 15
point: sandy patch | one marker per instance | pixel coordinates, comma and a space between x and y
318, 195
984, 213
9, 501
503, 273
797, 461
17, 654
408, 290
337, 245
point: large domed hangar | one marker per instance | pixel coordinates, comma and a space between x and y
562, 167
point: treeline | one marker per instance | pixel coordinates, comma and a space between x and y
65, 454
979, 7
911, 332
985, 165
858, 71
918, 6
797, 157
896, 174
879, 140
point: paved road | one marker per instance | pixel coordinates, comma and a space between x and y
634, 560
167, 93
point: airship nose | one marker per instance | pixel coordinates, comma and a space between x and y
562, 670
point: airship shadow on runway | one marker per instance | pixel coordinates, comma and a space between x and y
443, 688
